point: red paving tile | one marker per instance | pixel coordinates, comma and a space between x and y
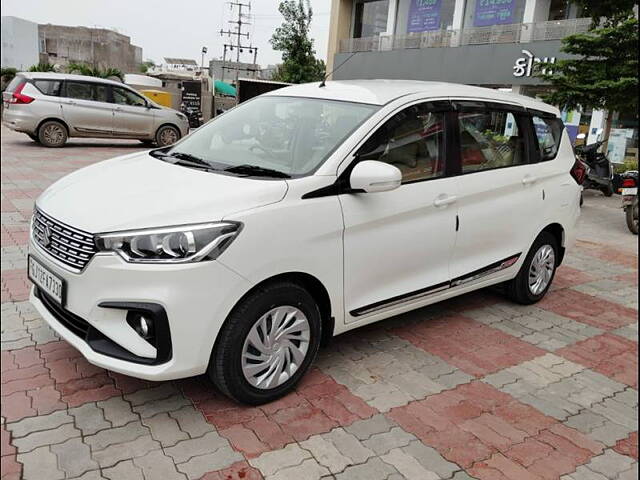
609, 354
237, 471
318, 405
493, 434
469, 345
594, 311
628, 446
608, 254
566, 277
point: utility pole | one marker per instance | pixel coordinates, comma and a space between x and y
237, 34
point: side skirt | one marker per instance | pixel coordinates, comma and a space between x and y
469, 278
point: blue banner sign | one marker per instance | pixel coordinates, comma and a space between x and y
424, 15
494, 12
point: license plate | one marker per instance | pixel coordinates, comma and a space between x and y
630, 191
50, 283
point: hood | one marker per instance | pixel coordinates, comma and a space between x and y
140, 191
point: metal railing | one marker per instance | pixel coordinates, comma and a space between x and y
513, 33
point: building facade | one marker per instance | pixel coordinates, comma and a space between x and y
99, 47
490, 43
19, 43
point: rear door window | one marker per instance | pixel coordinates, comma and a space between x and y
48, 87
490, 139
548, 132
86, 91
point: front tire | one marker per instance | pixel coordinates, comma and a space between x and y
537, 272
52, 134
267, 343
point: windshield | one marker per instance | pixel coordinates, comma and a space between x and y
273, 135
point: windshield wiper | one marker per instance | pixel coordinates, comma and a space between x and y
247, 169
185, 159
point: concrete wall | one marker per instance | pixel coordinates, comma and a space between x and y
19, 43
95, 46
472, 64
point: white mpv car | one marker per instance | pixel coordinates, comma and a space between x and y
299, 215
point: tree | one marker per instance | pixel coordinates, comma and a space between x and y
6, 75
603, 74
84, 69
299, 63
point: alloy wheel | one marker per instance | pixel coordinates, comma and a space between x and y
541, 269
168, 136
53, 134
275, 347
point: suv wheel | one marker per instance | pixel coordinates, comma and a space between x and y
537, 271
52, 134
266, 344
167, 135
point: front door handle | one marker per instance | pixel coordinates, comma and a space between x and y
444, 200
70, 102
529, 180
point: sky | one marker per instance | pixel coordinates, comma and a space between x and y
180, 29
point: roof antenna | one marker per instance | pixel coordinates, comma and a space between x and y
322, 84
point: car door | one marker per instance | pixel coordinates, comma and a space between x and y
132, 117
86, 109
397, 244
499, 198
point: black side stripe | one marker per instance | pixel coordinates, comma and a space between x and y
425, 292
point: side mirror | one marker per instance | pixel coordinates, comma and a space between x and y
373, 176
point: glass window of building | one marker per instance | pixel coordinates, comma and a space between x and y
370, 18
563, 10
485, 13
417, 16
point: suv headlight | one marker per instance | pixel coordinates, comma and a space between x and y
181, 244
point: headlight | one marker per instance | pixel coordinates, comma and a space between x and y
183, 244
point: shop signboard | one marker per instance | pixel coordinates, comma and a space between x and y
494, 12
424, 15
192, 101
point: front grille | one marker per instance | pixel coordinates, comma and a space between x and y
72, 322
66, 244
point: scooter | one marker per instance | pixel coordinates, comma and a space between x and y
599, 168
630, 199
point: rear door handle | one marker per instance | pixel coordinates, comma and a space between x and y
70, 102
444, 200
528, 180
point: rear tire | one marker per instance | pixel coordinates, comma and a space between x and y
240, 370
167, 135
52, 134
607, 191
631, 214
537, 271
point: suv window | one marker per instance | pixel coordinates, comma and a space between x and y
48, 87
13, 84
548, 132
490, 139
123, 96
86, 91
412, 140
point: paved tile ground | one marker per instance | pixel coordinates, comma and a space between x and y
475, 387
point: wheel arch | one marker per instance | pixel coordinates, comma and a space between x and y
53, 119
167, 124
310, 283
558, 232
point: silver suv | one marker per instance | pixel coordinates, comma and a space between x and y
50, 107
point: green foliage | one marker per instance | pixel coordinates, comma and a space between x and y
292, 38
84, 69
146, 65
604, 72
42, 67
611, 11
7, 74
629, 164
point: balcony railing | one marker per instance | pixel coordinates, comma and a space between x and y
515, 33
